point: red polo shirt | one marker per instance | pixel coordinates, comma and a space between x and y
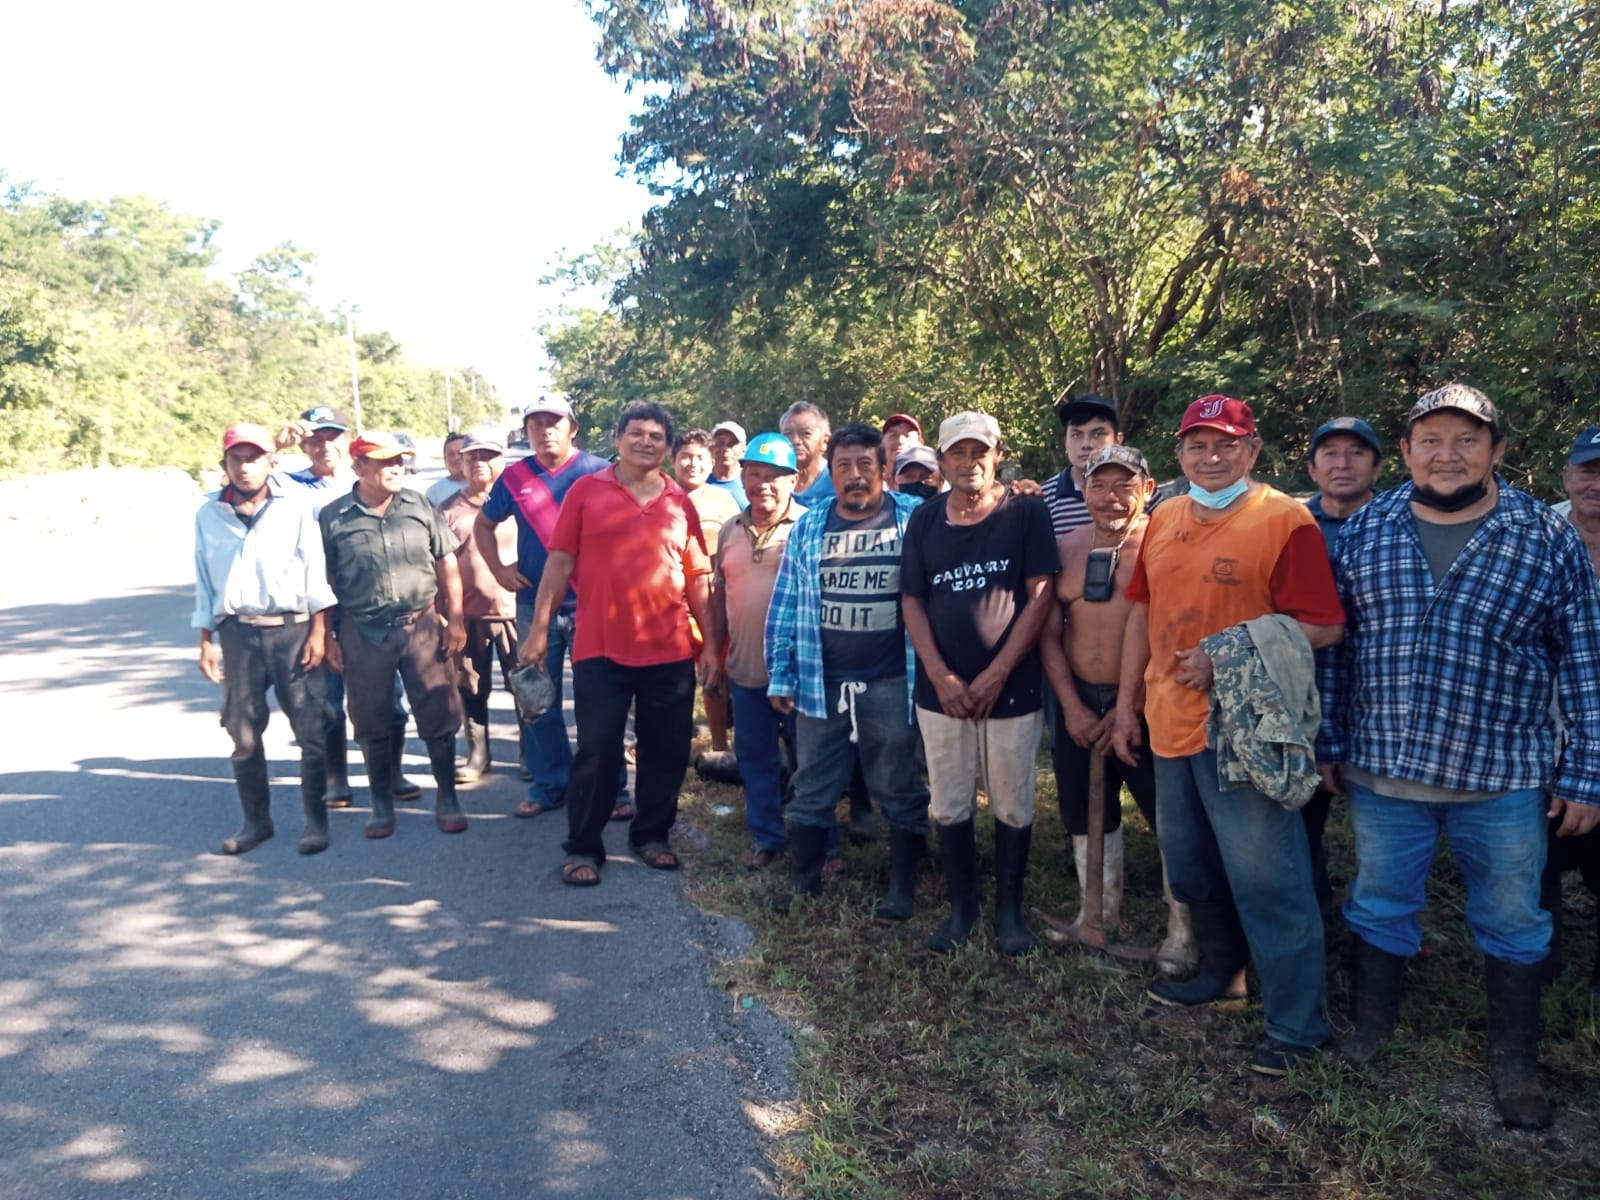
633, 561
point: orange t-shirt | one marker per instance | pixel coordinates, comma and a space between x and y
1200, 577
634, 560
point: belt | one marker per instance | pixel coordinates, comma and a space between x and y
273, 620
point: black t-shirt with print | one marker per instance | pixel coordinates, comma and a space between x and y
970, 579
863, 638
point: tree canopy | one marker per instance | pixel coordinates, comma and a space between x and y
121, 342
931, 205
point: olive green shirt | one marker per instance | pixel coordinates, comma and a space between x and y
382, 568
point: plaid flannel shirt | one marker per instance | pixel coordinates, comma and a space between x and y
793, 641
1451, 686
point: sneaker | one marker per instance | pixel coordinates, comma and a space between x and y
1275, 1058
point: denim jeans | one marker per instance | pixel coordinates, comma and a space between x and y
1499, 845
888, 743
1236, 846
757, 727
662, 698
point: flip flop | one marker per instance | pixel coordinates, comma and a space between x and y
576, 863
531, 808
622, 812
658, 857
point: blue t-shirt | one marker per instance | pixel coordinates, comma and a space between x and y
734, 486
323, 488
539, 492
863, 637
819, 493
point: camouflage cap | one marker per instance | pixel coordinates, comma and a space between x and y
1116, 456
1463, 399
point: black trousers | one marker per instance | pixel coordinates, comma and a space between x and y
662, 698
1071, 763
488, 639
254, 658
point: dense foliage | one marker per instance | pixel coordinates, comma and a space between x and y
932, 204
121, 343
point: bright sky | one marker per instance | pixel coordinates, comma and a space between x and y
435, 160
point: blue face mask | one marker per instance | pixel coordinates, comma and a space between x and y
1207, 499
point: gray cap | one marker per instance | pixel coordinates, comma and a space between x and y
551, 402
1462, 399
915, 456
482, 441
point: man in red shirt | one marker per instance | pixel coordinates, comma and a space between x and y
631, 538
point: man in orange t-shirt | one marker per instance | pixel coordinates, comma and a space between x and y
634, 541
1231, 550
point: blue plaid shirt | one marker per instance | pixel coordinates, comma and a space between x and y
1451, 686
793, 641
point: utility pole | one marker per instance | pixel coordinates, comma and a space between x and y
355, 378
449, 405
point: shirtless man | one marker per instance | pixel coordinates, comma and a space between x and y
1082, 663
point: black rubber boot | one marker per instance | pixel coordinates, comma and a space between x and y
1514, 1043
314, 838
336, 791
255, 797
905, 857
1376, 977
380, 765
1220, 940
958, 848
447, 814
401, 788
808, 850
477, 764
1010, 867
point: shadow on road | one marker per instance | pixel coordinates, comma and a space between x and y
86, 643
175, 1022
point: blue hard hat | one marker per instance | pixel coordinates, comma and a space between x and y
773, 449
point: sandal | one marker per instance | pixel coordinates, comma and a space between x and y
573, 871
657, 857
531, 808
757, 857
622, 812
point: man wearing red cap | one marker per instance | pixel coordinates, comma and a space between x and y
900, 432
389, 556
1234, 550
261, 601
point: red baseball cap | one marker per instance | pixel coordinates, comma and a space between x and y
1219, 412
903, 419
378, 445
258, 436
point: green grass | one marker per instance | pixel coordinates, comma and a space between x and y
1053, 1076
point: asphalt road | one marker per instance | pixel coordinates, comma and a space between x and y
425, 1016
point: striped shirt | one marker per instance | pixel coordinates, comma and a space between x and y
1451, 685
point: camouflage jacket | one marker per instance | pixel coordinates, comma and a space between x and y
1264, 708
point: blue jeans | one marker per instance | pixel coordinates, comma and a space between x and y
546, 744
1499, 845
757, 727
1236, 846
888, 743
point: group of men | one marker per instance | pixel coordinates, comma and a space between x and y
894, 613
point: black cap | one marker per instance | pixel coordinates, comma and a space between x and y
1085, 408
1354, 426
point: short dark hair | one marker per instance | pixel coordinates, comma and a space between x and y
458, 436
856, 433
644, 410
691, 437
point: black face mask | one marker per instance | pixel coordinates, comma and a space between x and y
926, 491
1455, 501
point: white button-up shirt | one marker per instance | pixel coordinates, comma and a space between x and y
273, 565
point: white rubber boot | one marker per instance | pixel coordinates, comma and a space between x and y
1177, 953
1111, 874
